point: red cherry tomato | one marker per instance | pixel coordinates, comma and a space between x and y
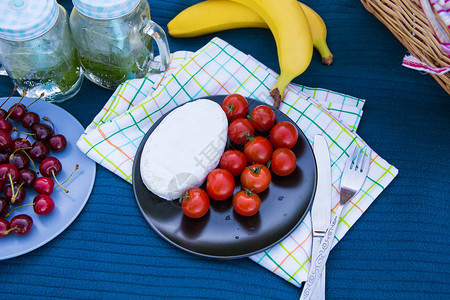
195, 203
233, 161
220, 184
262, 118
239, 130
258, 150
256, 178
283, 161
246, 203
283, 135
235, 106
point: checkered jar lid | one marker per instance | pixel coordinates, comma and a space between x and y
23, 20
105, 9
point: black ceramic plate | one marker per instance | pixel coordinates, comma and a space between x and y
222, 233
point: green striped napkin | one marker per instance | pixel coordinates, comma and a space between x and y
218, 68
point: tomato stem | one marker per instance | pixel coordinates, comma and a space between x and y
249, 137
231, 108
184, 197
248, 192
256, 169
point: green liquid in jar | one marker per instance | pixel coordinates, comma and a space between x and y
107, 72
60, 78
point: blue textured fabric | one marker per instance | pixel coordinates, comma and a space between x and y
399, 249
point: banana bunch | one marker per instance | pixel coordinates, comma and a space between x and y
295, 27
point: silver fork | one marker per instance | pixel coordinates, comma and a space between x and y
353, 177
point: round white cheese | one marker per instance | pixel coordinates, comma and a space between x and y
184, 148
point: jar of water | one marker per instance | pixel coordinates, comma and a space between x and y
37, 50
114, 40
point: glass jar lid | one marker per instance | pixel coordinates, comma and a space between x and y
27, 19
105, 9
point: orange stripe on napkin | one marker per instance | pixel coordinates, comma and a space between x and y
203, 69
109, 142
290, 253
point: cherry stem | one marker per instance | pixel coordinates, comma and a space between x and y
26, 133
18, 149
13, 199
18, 102
29, 204
48, 120
6, 232
31, 160
14, 195
42, 95
14, 90
60, 184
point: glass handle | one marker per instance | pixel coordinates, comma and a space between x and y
3, 71
153, 30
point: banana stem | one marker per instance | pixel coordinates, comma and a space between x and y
325, 53
277, 92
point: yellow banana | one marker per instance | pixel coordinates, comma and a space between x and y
289, 26
212, 16
292, 34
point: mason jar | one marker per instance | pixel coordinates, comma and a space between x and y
114, 40
37, 51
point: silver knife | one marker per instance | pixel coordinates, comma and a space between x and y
321, 208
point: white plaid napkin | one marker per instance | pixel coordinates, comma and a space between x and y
218, 69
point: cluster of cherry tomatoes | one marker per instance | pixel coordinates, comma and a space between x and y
265, 147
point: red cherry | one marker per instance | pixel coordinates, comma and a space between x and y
44, 185
41, 132
5, 125
17, 111
15, 194
4, 227
27, 177
39, 150
50, 166
4, 157
20, 143
43, 204
20, 160
29, 119
5, 140
8, 173
57, 143
4, 206
3, 113
22, 224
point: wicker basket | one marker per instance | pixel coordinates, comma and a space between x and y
407, 21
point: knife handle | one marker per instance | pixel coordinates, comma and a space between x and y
318, 263
319, 292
